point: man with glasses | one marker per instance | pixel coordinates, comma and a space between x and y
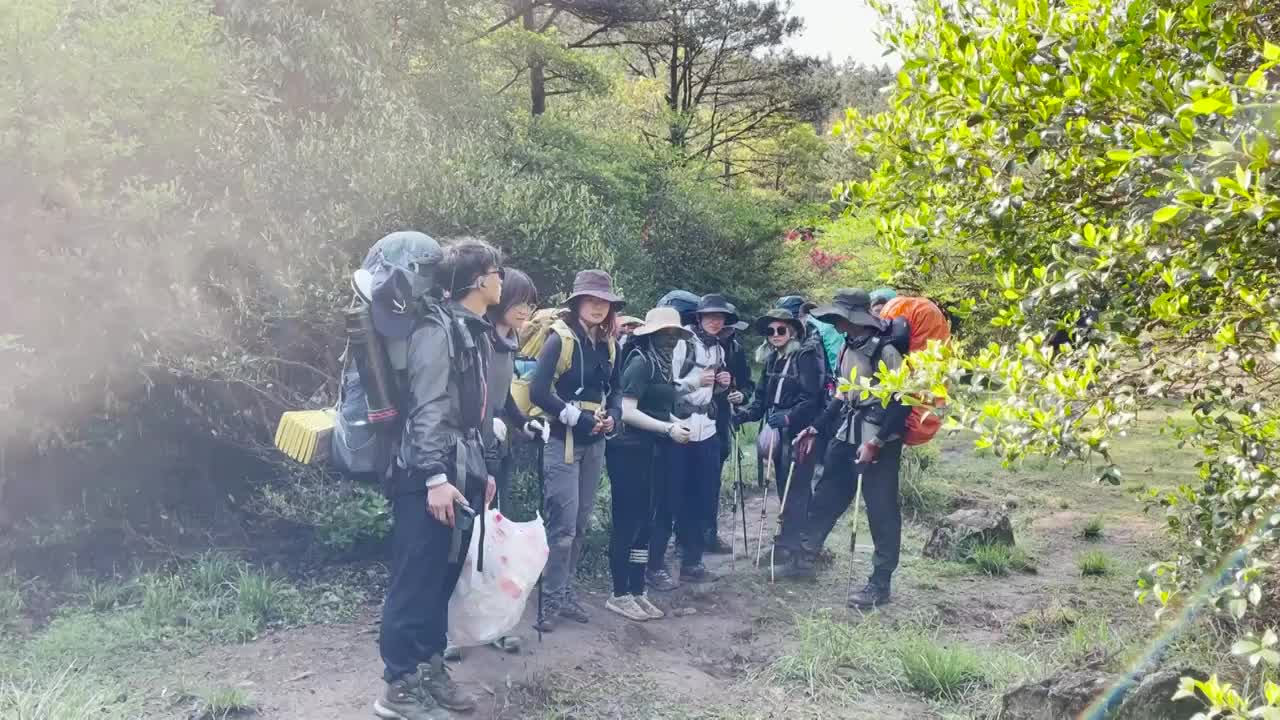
443, 478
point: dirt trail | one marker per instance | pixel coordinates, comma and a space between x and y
696, 665
707, 664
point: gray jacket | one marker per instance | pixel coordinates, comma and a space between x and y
448, 431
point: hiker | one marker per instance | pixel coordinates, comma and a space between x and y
740, 389
442, 476
789, 396
881, 296
693, 468
817, 332
866, 442
509, 317
580, 402
627, 325
636, 456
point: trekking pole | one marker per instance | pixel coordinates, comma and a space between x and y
853, 536
764, 502
742, 494
786, 490
542, 500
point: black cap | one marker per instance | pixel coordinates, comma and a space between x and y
852, 304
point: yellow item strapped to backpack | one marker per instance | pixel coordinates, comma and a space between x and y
532, 347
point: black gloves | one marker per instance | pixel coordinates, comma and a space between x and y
777, 419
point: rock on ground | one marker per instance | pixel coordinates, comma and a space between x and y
1062, 697
963, 528
1152, 698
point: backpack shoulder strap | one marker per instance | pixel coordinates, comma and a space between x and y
567, 341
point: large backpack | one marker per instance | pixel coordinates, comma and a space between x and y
911, 323
685, 302
531, 342
361, 443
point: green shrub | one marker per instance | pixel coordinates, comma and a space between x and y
997, 558
11, 602
263, 598
343, 514
165, 600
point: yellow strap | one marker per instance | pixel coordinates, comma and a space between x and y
590, 407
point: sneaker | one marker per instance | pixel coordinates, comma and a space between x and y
649, 608
437, 684
508, 644
697, 574
570, 608
405, 700
452, 653
660, 580
870, 596
626, 606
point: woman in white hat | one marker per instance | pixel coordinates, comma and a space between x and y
648, 398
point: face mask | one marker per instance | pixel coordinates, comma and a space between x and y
664, 343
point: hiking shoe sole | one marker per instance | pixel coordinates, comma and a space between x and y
387, 713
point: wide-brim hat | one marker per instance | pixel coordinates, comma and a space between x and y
717, 303
597, 284
662, 318
779, 315
625, 320
851, 304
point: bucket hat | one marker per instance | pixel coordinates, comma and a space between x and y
597, 284
717, 303
852, 304
779, 315
661, 318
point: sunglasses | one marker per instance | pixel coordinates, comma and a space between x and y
779, 331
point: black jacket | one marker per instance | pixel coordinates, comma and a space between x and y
590, 378
448, 429
802, 391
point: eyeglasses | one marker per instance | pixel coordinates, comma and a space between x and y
500, 272
780, 330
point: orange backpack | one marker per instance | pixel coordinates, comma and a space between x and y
924, 322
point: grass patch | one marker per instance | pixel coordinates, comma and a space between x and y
1092, 529
223, 703
997, 559
941, 671
1095, 563
1052, 619
834, 660
1091, 640
61, 696
11, 602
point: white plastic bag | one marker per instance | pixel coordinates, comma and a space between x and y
488, 605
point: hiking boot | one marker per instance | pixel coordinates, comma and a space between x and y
573, 610
437, 684
649, 608
404, 699
800, 567
870, 596
626, 606
660, 580
508, 644
697, 574
550, 610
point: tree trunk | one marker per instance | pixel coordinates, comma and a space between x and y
537, 80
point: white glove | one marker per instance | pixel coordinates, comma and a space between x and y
569, 415
500, 430
537, 428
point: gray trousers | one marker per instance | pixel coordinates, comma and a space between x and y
570, 493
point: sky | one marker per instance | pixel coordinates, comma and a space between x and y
842, 28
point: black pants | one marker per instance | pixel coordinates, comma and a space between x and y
796, 513
880, 494
680, 499
415, 614
631, 506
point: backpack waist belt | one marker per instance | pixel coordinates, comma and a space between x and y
584, 406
